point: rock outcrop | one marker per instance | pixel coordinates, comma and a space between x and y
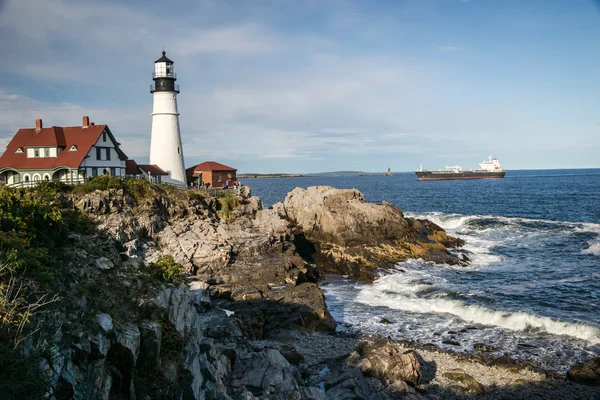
250, 278
388, 361
354, 237
588, 373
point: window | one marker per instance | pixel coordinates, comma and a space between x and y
36, 152
98, 153
26, 177
178, 152
73, 148
104, 136
94, 172
46, 152
112, 171
219, 180
19, 150
108, 154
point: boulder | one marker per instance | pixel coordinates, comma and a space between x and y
387, 361
588, 373
459, 375
346, 383
105, 322
265, 372
355, 237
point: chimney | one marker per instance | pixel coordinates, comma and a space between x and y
38, 125
86, 121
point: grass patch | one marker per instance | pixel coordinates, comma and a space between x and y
227, 204
139, 189
167, 270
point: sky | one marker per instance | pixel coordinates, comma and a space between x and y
317, 85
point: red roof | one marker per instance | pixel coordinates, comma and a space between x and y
212, 166
132, 168
152, 169
82, 138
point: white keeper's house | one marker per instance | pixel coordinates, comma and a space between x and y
70, 154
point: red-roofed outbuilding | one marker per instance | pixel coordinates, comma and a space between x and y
211, 172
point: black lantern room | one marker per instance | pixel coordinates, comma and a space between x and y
164, 76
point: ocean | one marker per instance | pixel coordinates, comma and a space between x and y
532, 289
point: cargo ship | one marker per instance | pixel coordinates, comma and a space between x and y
490, 169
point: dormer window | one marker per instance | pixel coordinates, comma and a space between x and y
19, 150
104, 136
73, 148
46, 152
36, 152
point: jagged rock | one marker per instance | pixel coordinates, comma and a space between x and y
201, 297
507, 363
346, 383
265, 372
459, 375
224, 329
251, 206
129, 338
105, 322
150, 344
388, 361
588, 373
355, 237
104, 263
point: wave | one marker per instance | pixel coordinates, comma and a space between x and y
397, 292
482, 232
594, 249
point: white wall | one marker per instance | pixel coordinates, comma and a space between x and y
166, 150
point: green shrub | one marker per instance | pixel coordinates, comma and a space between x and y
34, 224
139, 189
227, 204
166, 269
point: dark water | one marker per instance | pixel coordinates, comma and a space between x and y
533, 288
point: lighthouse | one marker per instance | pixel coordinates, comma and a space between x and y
165, 144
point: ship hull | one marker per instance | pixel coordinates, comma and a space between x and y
463, 175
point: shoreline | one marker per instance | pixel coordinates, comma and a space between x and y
443, 371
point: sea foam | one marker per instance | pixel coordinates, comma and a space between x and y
401, 292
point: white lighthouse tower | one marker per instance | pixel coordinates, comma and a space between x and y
165, 146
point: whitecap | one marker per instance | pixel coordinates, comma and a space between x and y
402, 294
594, 249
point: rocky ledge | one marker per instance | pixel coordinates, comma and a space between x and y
250, 321
353, 237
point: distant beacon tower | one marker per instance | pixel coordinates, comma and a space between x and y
165, 145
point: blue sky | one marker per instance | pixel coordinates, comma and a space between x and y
287, 86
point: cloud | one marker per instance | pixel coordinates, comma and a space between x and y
21, 112
309, 86
246, 39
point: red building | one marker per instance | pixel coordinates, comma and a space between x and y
150, 172
211, 172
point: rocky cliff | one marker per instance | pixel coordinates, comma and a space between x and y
119, 332
355, 238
